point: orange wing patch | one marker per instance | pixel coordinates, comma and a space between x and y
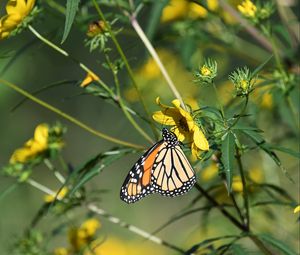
148, 166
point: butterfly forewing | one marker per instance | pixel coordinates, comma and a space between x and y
138, 181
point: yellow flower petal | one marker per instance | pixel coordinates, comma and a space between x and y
90, 77
237, 185
89, 227
209, 172
61, 251
21, 155
297, 209
41, 134
50, 198
200, 140
176, 9
164, 119
197, 11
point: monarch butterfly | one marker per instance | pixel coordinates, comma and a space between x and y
163, 169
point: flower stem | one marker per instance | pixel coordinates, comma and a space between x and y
218, 99
133, 229
156, 58
122, 105
68, 117
127, 66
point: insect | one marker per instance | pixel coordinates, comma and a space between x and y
163, 169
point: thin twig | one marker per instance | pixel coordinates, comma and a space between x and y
68, 117
156, 58
41, 187
56, 173
127, 66
133, 229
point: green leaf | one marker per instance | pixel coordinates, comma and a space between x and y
285, 150
228, 151
281, 246
239, 250
94, 166
154, 18
72, 7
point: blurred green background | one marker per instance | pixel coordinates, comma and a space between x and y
32, 65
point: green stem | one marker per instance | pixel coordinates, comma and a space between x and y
127, 66
122, 105
68, 117
245, 191
241, 113
260, 245
218, 99
293, 110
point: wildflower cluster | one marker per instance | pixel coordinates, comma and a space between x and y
47, 141
82, 239
256, 12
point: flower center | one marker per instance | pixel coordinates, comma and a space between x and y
183, 124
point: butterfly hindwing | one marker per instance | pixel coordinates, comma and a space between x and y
172, 174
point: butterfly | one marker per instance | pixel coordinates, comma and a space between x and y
163, 169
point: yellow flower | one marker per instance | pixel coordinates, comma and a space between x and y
150, 69
237, 185
297, 209
184, 126
80, 237
111, 246
61, 251
267, 101
205, 70
213, 5
32, 147
176, 9
50, 198
90, 77
256, 175
209, 172
247, 8
197, 11
16, 10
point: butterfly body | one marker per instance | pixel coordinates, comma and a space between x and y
163, 169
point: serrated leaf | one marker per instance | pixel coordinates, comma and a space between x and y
284, 248
71, 9
228, 151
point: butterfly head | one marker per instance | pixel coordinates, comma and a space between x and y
169, 137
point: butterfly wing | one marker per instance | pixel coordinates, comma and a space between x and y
138, 181
172, 174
